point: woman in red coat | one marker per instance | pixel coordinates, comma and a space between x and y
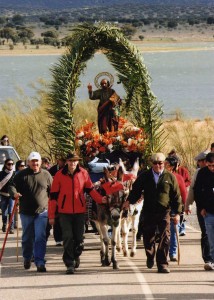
67, 198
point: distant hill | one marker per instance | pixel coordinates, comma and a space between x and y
65, 4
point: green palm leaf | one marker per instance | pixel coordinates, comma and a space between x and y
140, 103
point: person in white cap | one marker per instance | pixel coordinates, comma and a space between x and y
32, 186
205, 247
161, 194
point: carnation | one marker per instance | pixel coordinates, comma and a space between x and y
128, 138
80, 134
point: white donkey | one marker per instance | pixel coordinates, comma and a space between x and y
130, 218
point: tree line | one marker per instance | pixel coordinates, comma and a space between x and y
20, 26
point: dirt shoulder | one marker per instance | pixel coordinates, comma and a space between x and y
164, 46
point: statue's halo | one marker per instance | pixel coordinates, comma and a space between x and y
103, 75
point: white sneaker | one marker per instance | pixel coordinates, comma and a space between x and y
58, 243
209, 266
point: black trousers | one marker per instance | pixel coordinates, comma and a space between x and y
72, 226
205, 247
152, 222
57, 232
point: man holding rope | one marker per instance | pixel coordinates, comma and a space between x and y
161, 195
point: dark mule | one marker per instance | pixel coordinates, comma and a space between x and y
116, 187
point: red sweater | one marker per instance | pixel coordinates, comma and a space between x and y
67, 192
185, 174
182, 187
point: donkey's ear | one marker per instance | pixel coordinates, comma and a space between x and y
135, 167
120, 174
121, 164
107, 175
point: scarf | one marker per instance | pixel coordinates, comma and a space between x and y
6, 178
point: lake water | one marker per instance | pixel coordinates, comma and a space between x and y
181, 80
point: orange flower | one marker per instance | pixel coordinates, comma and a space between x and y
127, 138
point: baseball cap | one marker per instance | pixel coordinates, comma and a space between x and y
34, 155
202, 155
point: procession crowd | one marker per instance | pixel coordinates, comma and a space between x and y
54, 197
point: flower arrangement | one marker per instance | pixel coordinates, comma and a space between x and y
128, 138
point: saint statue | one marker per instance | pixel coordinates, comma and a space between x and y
108, 108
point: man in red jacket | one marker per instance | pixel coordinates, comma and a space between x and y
67, 197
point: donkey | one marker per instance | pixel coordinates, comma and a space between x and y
109, 214
130, 218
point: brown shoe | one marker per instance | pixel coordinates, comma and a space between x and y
164, 270
173, 258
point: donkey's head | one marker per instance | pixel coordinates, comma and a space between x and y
117, 186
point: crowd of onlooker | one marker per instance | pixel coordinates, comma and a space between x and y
53, 196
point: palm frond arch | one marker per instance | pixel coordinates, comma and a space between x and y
140, 103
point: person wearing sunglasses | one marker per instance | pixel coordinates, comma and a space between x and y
5, 141
7, 202
161, 195
20, 165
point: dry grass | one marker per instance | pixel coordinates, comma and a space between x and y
189, 137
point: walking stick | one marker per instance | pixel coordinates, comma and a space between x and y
8, 228
17, 233
178, 242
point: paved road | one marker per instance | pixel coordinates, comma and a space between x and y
91, 281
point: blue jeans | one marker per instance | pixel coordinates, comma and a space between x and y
173, 240
205, 246
209, 223
182, 225
34, 237
7, 207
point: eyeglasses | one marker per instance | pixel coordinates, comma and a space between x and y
157, 163
10, 164
22, 166
5, 140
